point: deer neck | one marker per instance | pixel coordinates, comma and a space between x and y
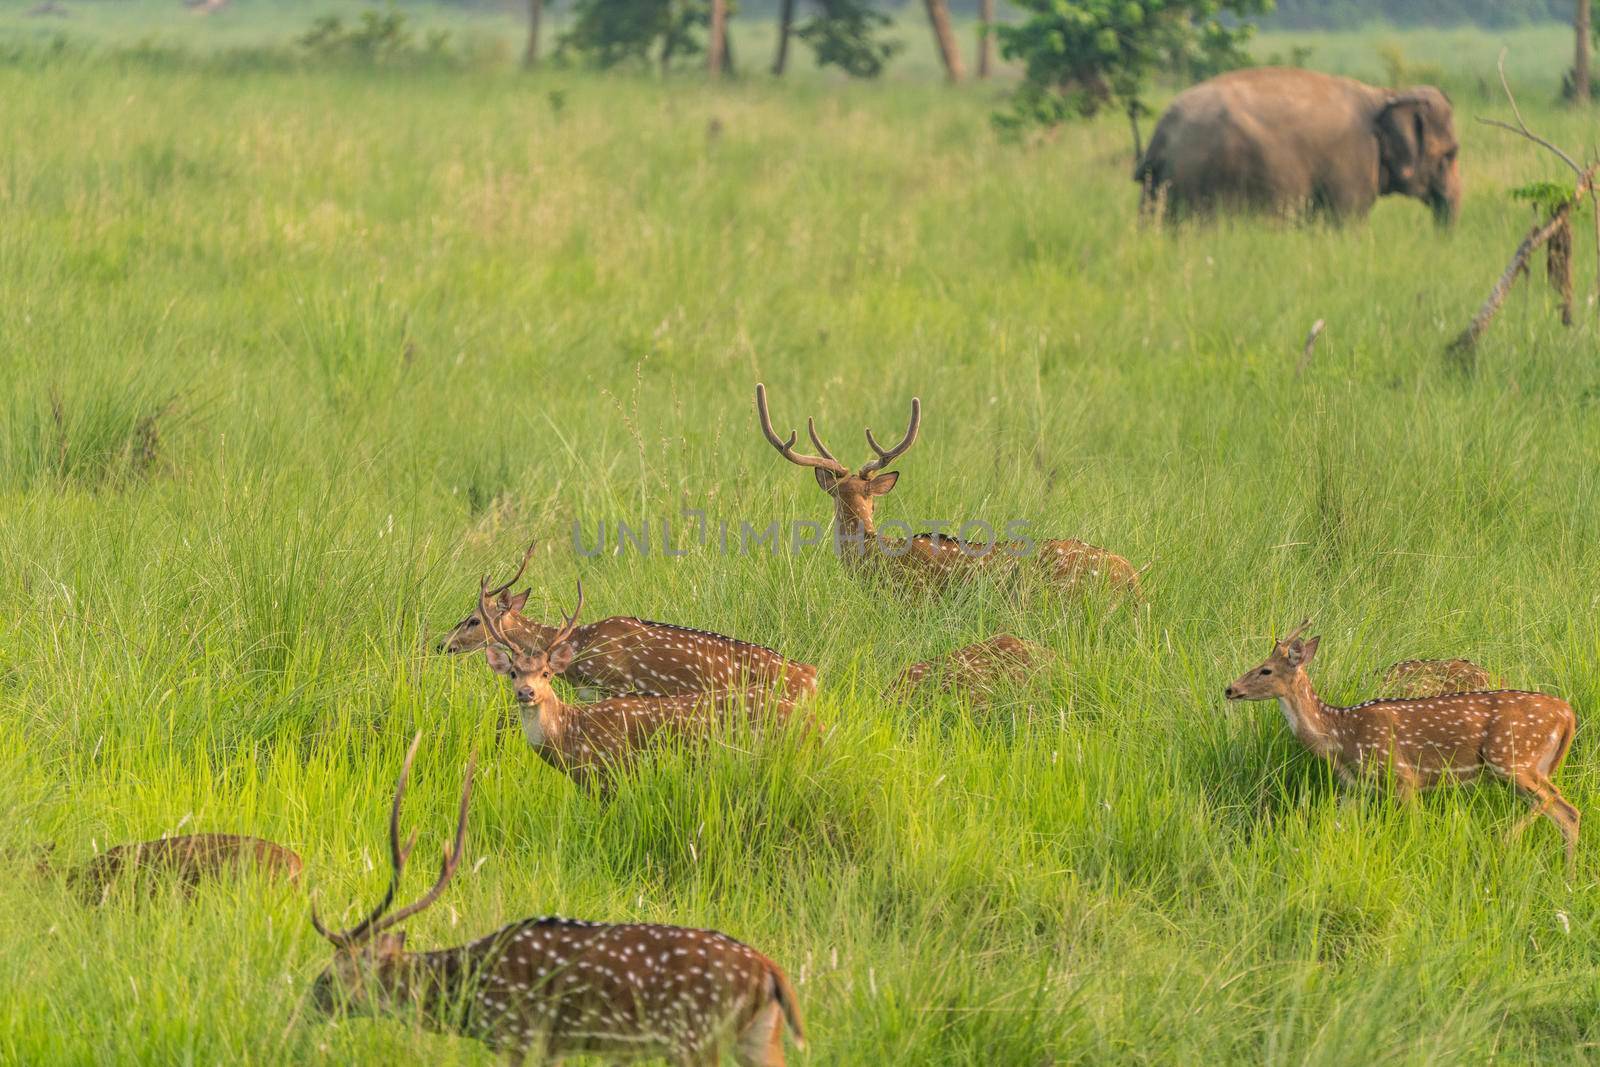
1309, 718
544, 724
853, 530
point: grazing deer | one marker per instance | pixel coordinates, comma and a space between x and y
1522, 737
552, 987
1431, 677
187, 860
928, 558
975, 670
623, 654
588, 742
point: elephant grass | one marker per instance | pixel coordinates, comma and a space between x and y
386, 326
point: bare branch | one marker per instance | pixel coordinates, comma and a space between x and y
1521, 128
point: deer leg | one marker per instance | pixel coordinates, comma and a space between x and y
1549, 802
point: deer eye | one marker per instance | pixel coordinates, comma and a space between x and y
1266, 670
470, 623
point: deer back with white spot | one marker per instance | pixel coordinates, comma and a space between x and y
1519, 736
1417, 678
929, 560
975, 670
555, 987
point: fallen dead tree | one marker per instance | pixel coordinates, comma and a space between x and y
1557, 204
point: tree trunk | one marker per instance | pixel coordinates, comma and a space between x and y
945, 35
717, 45
785, 23
985, 37
530, 57
1580, 62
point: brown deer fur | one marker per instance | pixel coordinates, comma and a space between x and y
1521, 737
975, 670
589, 742
624, 654
1415, 678
551, 987
928, 559
187, 860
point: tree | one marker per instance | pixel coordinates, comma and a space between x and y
530, 56
717, 46
985, 37
1083, 55
609, 33
1580, 61
843, 33
944, 35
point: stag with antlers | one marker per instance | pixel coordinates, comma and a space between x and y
551, 987
589, 742
623, 654
1419, 743
927, 558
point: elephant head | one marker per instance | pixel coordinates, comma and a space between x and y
1417, 149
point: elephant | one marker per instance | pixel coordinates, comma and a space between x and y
1295, 142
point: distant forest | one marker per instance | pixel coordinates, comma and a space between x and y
1349, 14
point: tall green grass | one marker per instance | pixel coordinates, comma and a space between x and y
388, 325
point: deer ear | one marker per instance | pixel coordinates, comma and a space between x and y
392, 944
560, 657
883, 483
499, 661
1308, 650
826, 479
515, 603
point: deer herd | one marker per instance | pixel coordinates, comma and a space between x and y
552, 987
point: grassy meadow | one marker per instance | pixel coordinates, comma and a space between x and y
291, 354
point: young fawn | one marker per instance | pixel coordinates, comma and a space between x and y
589, 742
623, 654
927, 558
975, 670
1432, 677
551, 987
1521, 737
188, 861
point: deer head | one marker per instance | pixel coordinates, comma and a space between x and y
852, 494
528, 671
1275, 676
369, 968
470, 633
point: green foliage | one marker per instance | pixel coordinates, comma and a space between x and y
422, 319
848, 34
1082, 55
1548, 196
614, 33
1353, 14
377, 37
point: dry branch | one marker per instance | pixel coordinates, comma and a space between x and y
1537, 236
1310, 348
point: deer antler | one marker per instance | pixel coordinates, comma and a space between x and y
571, 622
1305, 625
491, 625
397, 859
886, 458
786, 448
447, 865
526, 556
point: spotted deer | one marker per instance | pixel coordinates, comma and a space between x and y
1521, 737
548, 988
975, 670
188, 861
1431, 677
590, 742
928, 558
623, 654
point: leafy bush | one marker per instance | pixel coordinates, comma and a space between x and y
612, 33
1082, 55
377, 37
845, 34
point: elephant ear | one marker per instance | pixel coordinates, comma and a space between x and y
1402, 133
